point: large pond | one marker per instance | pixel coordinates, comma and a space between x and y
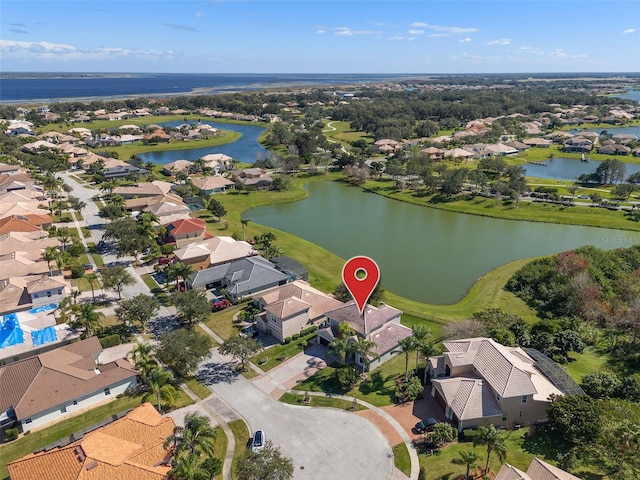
245, 149
561, 168
424, 254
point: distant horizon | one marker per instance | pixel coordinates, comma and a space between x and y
386, 74
434, 37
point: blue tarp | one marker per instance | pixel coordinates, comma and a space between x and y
10, 333
44, 308
46, 335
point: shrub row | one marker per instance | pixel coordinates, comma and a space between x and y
110, 341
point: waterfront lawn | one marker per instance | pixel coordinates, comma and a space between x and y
40, 438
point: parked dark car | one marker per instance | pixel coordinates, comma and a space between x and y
425, 425
250, 332
258, 441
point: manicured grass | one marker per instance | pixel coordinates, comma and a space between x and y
296, 399
241, 435
97, 259
183, 399
526, 211
222, 322
220, 447
343, 133
401, 459
590, 360
158, 292
278, 353
198, 388
378, 389
212, 340
40, 438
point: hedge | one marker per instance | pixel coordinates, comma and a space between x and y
110, 341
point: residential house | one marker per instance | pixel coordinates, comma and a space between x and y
145, 189
217, 161
168, 211
538, 470
518, 145
145, 203
8, 169
25, 223
50, 386
29, 289
380, 325
578, 144
211, 185
156, 137
433, 153
480, 382
288, 309
176, 167
18, 181
239, 278
252, 177
20, 128
614, 149
185, 231
130, 447
214, 251
386, 146
122, 171
537, 142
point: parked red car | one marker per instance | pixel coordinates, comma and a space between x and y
165, 261
220, 305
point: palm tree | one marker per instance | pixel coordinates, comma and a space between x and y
142, 360
244, 222
64, 236
408, 345
88, 318
420, 334
341, 347
92, 278
467, 458
179, 271
493, 439
427, 349
364, 348
76, 204
188, 467
196, 437
50, 254
65, 309
159, 381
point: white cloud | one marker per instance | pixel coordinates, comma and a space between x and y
628, 30
416, 32
530, 50
58, 51
465, 40
411, 39
443, 31
396, 38
560, 53
199, 14
320, 31
346, 31
500, 41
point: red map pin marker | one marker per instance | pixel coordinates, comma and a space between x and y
361, 288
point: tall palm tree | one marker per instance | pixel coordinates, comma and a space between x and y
493, 439
427, 349
420, 334
92, 278
341, 347
88, 318
467, 458
64, 236
188, 467
65, 310
408, 345
159, 382
244, 222
179, 271
143, 361
196, 437
364, 348
50, 254
76, 204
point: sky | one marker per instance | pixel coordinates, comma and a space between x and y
300, 36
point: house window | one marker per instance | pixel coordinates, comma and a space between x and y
75, 402
273, 320
28, 420
524, 399
504, 417
63, 409
48, 293
107, 391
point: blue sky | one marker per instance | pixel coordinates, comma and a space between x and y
300, 36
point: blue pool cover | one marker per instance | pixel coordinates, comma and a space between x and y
44, 308
46, 335
10, 332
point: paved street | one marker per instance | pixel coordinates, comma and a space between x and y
324, 443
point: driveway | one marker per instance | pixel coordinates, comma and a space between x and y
323, 442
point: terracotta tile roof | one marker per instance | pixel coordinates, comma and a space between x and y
287, 307
221, 250
211, 182
191, 225
64, 374
374, 317
177, 166
35, 241
19, 266
129, 448
319, 302
154, 200
17, 223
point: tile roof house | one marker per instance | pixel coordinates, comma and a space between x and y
381, 325
22, 223
240, 278
121, 171
145, 189
177, 167
214, 251
185, 231
480, 382
212, 184
50, 386
252, 177
145, 203
292, 307
130, 447
538, 470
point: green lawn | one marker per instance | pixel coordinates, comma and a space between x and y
401, 459
222, 322
36, 440
241, 434
220, 447
198, 388
316, 401
157, 291
278, 353
591, 360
